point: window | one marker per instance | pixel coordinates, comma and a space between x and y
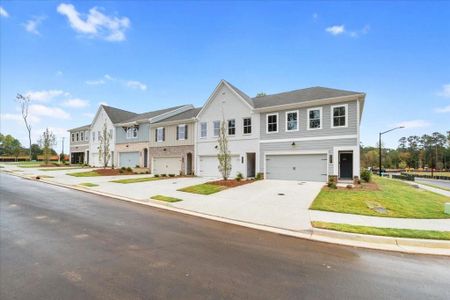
315, 118
203, 130
86, 136
160, 134
339, 116
331, 158
232, 127
216, 128
111, 133
272, 123
73, 137
78, 137
181, 132
247, 125
292, 121
93, 136
132, 132
82, 136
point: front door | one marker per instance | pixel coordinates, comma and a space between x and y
346, 165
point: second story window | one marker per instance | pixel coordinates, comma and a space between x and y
232, 127
82, 136
73, 137
86, 136
132, 132
160, 132
272, 123
182, 132
339, 116
93, 136
78, 137
216, 128
203, 130
247, 125
292, 121
315, 118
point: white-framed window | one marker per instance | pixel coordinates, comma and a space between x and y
182, 132
93, 136
160, 134
292, 121
216, 126
132, 132
203, 130
78, 136
272, 123
82, 136
231, 127
73, 137
339, 116
86, 136
247, 125
314, 118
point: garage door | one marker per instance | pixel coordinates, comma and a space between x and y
94, 160
128, 159
306, 167
208, 166
167, 165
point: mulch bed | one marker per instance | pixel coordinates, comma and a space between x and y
112, 172
366, 186
231, 182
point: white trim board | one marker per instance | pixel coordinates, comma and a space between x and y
314, 138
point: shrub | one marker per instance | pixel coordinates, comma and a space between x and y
332, 185
123, 168
239, 176
156, 175
163, 175
137, 166
171, 175
366, 175
147, 172
259, 176
121, 171
129, 169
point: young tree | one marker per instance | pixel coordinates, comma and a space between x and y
224, 155
47, 141
103, 148
24, 104
261, 94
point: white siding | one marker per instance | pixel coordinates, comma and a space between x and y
97, 125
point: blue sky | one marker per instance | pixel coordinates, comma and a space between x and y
140, 56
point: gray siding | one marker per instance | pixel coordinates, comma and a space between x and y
143, 134
319, 145
326, 129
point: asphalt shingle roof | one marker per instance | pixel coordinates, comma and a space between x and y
298, 96
81, 128
189, 114
151, 114
118, 115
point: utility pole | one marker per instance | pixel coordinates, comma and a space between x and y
62, 149
379, 146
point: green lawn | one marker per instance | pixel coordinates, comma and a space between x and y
88, 184
203, 189
400, 199
392, 232
135, 180
84, 174
165, 198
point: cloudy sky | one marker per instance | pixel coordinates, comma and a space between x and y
139, 56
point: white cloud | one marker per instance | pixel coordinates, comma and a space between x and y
95, 82
18, 118
445, 91
315, 16
95, 24
413, 124
33, 24
76, 103
136, 85
45, 95
59, 73
89, 115
40, 110
336, 29
108, 77
443, 109
3, 12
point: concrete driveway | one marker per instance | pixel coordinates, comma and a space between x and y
275, 203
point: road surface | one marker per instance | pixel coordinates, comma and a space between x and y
438, 183
59, 243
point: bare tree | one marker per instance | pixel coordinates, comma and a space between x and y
47, 141
103, 148
224, 155
24, 104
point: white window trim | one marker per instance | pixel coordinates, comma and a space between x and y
214, 135
243, 126
321, 118
228, 128
286, 120
267, 123
332, 115
179, 126
157, 135
129, 136
206, 131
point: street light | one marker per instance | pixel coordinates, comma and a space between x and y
379, 145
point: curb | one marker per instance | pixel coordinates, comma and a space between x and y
404, 245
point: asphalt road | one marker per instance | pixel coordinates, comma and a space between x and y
441, 183
58, 243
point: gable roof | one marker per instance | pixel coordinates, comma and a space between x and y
241, 93
117, 115
151, 114
80, 128
302, 95
186, 115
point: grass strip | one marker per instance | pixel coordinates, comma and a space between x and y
165, 198
203, 189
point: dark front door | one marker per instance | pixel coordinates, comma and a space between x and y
346, 165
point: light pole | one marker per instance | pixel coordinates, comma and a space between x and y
379, 146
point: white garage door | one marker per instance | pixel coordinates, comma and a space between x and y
128, 159
167, 165
305, 167
93, 160
208, 166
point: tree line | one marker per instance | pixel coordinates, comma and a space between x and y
415, 152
